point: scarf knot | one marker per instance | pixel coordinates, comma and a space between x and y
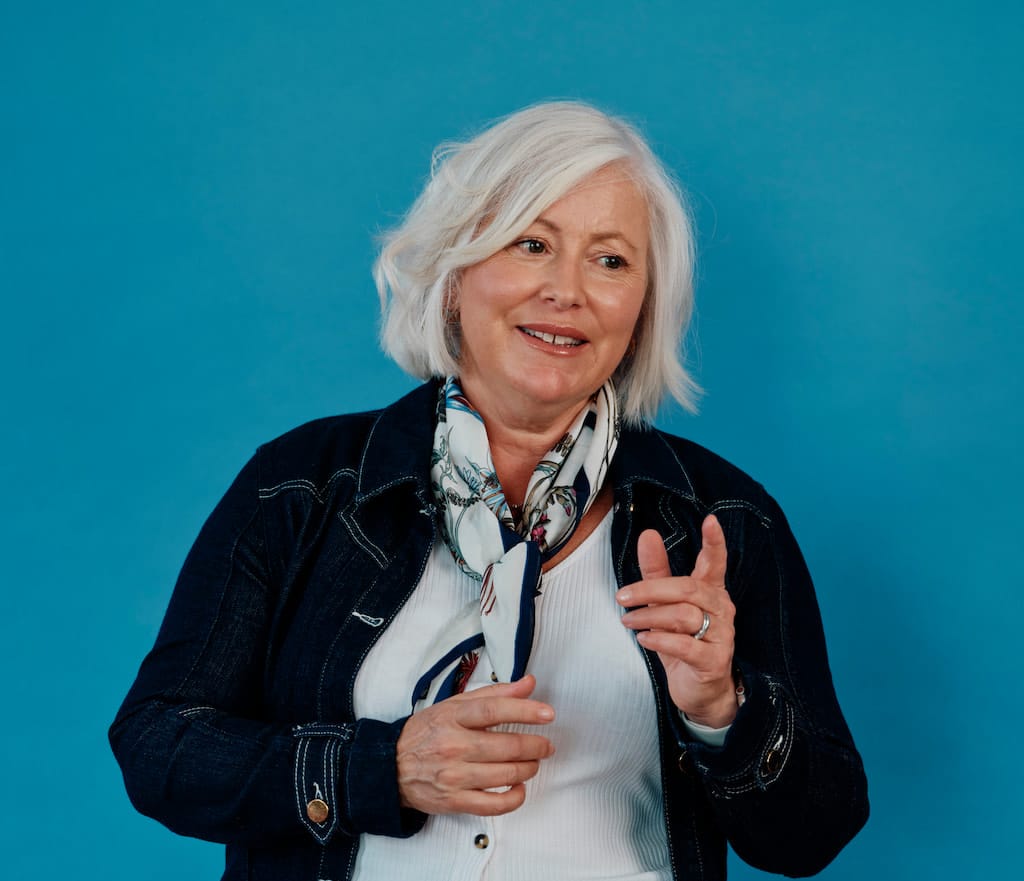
489, 545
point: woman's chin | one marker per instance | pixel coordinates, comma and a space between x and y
549, 393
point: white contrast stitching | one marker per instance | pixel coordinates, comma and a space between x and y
729, 504
299, 764
303, 484
188, 712
360, 538
696, 841
682, 468
368, 619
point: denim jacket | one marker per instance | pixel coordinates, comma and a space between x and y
242, 713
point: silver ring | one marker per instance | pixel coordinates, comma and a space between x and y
703, 627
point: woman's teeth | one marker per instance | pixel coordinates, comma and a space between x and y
552, 338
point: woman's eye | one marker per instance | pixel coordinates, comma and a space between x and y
531, 246
612, 261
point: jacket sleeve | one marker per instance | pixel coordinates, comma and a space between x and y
787, 787
196, 747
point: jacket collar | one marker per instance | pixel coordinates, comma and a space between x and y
399, 446
398, 450
644, 455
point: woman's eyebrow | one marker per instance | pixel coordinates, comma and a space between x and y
599, 237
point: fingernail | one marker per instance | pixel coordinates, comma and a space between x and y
624, 596
546, 713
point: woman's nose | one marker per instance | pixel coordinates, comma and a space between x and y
565, 284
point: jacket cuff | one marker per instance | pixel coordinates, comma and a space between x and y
757, 745
345, 778
704, 733
371, 784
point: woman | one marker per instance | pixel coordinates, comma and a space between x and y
405, 643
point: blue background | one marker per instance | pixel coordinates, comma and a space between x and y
189, 196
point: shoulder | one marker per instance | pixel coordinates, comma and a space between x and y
705, 479
323, 451
317, 449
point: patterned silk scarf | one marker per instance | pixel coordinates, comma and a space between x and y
487, 544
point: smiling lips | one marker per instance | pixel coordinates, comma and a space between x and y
553, 338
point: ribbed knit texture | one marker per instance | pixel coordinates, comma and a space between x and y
595, 810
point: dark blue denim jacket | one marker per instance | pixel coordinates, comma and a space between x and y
243, 712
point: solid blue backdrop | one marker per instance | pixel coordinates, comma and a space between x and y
189, 197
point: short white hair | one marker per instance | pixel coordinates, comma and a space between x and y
483, 193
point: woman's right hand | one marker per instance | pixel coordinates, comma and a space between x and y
449, 760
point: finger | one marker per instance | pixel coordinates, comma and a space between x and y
713, 556
493, 775
501, 746
652, 556
680, 589
521, 688
486, 712
701, 656
487, 804
672, 617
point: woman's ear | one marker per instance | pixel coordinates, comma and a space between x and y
451, 299
452, 319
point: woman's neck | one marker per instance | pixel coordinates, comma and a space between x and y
517, 448
515, 458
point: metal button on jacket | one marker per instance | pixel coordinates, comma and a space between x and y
481, 841
317, 810
770, 763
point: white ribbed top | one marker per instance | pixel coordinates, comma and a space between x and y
594, 811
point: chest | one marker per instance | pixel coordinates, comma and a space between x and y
584, 659
341, 588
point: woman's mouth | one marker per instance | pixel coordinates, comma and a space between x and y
553, 339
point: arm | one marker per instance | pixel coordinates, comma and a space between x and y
198, 750
787, 787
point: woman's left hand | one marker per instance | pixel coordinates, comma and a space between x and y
699, 671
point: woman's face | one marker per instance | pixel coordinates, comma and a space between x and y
546, 320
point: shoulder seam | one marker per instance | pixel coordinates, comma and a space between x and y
308, 486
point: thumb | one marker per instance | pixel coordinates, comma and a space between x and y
652, 556
520, 688
713, 556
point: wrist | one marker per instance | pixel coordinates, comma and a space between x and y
718, 715
722, 712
